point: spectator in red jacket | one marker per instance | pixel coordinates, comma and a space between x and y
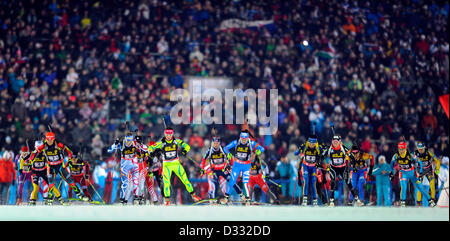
7, 176
429, 120
422, 45
196, 141
366, 144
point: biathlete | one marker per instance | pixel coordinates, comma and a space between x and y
38, 163
431, 167
171, 162
310, 157
129, 168
243, 148
80, 172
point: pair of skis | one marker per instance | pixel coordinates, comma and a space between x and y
206, 202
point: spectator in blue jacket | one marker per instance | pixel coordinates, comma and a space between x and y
286, 171
383, 182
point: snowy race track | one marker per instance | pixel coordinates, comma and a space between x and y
218, 213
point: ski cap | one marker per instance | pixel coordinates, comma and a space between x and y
168, 131
402, 145
50, 136
38, 144
420, 144
312, 139
7, 155
355, 149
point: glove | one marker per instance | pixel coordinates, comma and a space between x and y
229, 156
202, 172
151, 155
318, 164
227, 170
437, 171
14, 182
117, 142
299, 179
20, 171
391, 175
183, 153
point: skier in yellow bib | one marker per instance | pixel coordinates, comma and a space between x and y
171, 162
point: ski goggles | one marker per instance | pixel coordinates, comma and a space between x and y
128, 138
244, 136
168, 132
420, 145
336, 138
216, 139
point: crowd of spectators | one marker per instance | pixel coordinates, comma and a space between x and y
373, 69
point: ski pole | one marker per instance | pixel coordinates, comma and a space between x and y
443, 186
95, 190
198, 165
59, 185
275, 183
293, 193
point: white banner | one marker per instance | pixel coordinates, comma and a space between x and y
237, 23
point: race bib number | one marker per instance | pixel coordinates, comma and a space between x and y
217, 161
241, 155
39, 164
338, 161
129, 156
171, 154
75, 172
404, 166
310, 159
53, 158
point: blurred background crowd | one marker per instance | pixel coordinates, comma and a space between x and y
373, 69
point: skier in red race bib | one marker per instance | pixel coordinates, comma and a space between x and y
258, 171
